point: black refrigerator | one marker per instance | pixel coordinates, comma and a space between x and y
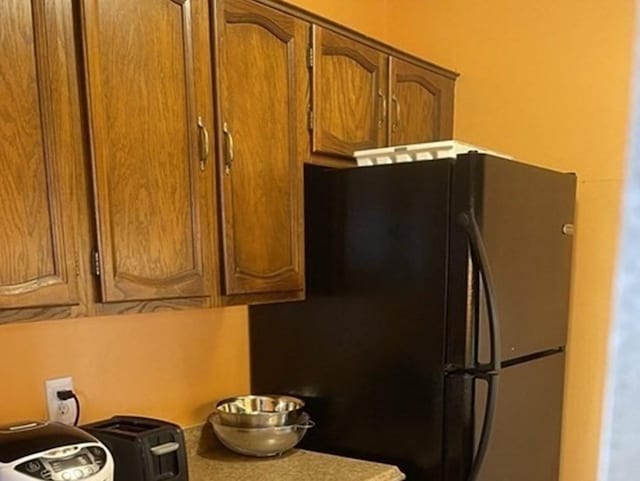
434, 327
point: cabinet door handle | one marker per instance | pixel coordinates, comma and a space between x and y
230, 154
396, 121
204, 143
383, 117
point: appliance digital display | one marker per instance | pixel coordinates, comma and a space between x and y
61, 465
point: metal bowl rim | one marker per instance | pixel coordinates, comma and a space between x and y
234, 399
214, 419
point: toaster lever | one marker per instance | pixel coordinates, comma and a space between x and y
162, 449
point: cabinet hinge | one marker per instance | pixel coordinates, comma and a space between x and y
310, 57
76, 263
95, 258
310, 119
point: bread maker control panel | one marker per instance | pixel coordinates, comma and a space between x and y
52, 451
72, 464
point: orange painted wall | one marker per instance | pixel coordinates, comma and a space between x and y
167, 365
365, 16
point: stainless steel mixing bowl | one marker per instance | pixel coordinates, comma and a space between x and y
260, 441
259, 411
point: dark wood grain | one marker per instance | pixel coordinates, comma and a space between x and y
424, 109
349, 80
263, 298
145, 96
152, 306
262, 88
37, 251
35, 314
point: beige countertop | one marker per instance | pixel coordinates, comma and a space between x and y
209, 461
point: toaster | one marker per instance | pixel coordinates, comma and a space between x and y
143, 449
52, 452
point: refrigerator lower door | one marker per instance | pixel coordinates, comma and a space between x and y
525, 436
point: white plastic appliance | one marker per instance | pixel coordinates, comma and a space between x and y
52, 452
441, 149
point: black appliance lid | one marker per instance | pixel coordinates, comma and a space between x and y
25, 439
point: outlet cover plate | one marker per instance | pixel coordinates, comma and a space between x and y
61, 411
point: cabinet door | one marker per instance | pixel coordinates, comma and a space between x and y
349, 95
263, 143
148, 108
37, 253
421, 104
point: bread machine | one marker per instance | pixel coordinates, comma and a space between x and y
52, 452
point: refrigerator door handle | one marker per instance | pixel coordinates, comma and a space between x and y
492, 380
479, 257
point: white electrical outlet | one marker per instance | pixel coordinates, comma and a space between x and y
61, 411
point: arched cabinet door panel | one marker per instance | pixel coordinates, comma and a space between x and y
37, 231
263, 142
420, 105
149, 98
349, 95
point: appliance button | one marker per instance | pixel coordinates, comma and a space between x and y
33, 467
66, 476
77, 474
46, 474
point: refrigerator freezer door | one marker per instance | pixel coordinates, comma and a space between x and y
525, 436
523, 213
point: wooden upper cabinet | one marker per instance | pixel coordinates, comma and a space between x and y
263, 142
349, 94
37, 253
363, 98
421, 104
150, 104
